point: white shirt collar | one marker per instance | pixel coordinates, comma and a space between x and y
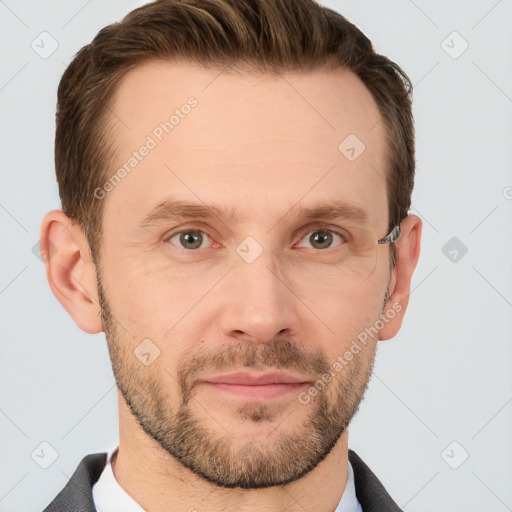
109, 496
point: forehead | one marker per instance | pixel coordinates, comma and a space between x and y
237, 138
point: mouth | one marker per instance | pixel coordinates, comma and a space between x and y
254, 386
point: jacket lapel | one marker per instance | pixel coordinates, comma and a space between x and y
77, 494
369, 490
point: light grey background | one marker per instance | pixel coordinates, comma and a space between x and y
445, 378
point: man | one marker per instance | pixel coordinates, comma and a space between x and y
235, 178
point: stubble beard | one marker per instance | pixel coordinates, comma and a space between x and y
226, 459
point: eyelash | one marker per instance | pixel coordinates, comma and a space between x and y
167, 238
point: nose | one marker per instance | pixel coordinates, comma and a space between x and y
259, 303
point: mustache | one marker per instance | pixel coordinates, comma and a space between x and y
277, 355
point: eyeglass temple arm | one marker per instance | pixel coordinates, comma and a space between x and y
395, 233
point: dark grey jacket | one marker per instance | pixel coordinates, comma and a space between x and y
77, 494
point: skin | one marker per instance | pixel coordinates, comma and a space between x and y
252, 143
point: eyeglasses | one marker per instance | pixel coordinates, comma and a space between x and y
393, 235
357, 255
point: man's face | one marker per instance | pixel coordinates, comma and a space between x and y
248, 291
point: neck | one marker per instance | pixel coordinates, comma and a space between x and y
158, 483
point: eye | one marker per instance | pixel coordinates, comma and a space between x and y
191, 239
322, 239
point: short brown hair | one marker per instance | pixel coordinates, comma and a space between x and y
270, 36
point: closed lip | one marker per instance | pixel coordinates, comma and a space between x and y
256, 379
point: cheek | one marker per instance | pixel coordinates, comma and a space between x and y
159, 305
151, 338
344, 312
135, 283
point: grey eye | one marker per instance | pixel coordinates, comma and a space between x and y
321, 238
189, 239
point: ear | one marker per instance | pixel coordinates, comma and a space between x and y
407, 255
70, 270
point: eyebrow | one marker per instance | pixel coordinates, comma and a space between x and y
171, 209
331, 210
174, 209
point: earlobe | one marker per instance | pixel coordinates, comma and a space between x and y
70, 270
408, 248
